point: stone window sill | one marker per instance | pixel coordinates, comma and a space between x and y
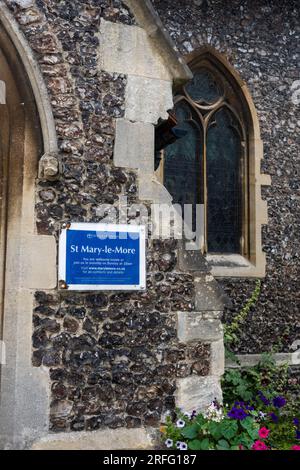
222, 265
233, 265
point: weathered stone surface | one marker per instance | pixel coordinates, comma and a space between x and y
70, 324
134, 145
122, 439
196, 393
149, 106
47, 195
191, 260
45, 43
192, 326
151, 189
250, 360
133, 53
131, 348
21, 3
208, 294
217, 363
31, 15
39, 251
2, 92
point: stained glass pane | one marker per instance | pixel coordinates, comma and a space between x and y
223, 185
182, 165
203, 88
183, 111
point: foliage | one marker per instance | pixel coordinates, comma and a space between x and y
245, 383
239, 427
281, 417
231, 330
258, 414
203, 432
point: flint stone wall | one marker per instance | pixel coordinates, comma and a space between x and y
261, 40
113, 359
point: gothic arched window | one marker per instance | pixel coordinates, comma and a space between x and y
209, 165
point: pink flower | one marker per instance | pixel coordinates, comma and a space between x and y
259, 445
263, 433
295, 448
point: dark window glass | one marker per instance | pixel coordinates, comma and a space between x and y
182, 165
203, 88
205, 166
223, 184
183, 162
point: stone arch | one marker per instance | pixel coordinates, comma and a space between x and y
222, 64
35, 78
26, 131
257, 207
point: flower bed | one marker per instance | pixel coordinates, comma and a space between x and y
260, 412
267, 423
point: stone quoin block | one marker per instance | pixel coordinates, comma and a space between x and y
192, 326
149, 106
39, 262
151, 189
107, 439
132, 52
217, 358
134, 145
2, 92
196, 393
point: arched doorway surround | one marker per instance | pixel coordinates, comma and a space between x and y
27, 131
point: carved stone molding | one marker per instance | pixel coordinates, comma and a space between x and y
50, 167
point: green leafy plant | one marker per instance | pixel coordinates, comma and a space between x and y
259, 411
231, 330
245, 383
271, 423
203, 432
240, 384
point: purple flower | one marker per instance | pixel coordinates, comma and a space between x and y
274, 417
237, 413
296, 422
241, 414
263, 398
297, 434
279, 401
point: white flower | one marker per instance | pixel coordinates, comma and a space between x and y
180, 423
214, 413
169, 442
181, 445
187, 415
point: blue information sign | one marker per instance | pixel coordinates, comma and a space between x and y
102, 257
